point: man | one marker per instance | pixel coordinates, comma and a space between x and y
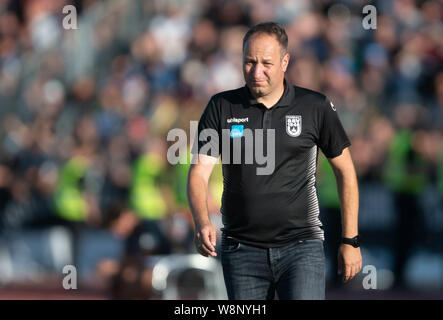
272, 238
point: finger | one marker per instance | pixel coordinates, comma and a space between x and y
347, 273
211, 252
199, 246
213, 237
206, 250
356, 269
353, 272
206, 241
203, 247
359, 267
340, 265
199, 239
203, 250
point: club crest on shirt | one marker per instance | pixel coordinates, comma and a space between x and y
293, 125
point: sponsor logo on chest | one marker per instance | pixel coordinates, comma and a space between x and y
237, 120
237, 131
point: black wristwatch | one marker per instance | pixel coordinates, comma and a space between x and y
355, 242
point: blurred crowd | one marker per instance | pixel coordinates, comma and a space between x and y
85, 112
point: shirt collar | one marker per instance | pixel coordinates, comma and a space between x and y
285, 100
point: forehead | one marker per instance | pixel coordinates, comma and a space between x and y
262, 43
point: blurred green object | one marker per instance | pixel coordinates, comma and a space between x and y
145, 197
326, 185
68, 198
405, 170
180, 181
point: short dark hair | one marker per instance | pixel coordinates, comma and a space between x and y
270, 28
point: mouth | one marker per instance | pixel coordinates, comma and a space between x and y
258, 81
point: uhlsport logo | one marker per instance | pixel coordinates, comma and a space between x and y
293, 125
238, 120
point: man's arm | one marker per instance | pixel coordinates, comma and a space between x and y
198, 178
349, 258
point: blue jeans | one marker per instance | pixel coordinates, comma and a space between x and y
296, 271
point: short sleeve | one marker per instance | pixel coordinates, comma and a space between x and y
332, 138
207, 139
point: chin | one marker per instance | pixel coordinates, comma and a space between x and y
257, 90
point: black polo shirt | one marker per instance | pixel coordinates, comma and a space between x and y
273, 209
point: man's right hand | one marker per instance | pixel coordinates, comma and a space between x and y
204, 240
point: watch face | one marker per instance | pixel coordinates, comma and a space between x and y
357, 241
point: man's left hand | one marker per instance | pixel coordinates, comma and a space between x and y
349, 261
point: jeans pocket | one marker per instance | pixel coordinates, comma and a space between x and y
313, 248
229, 245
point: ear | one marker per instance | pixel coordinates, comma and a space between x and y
285, 62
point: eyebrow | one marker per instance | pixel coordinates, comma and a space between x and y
268, 59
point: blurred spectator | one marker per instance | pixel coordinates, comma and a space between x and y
130, 278
406, 174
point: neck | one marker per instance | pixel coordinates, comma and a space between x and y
271, 99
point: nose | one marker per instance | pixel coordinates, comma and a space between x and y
257, 71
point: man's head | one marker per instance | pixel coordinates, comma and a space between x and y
265, 58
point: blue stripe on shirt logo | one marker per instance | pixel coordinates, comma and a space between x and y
237, 131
